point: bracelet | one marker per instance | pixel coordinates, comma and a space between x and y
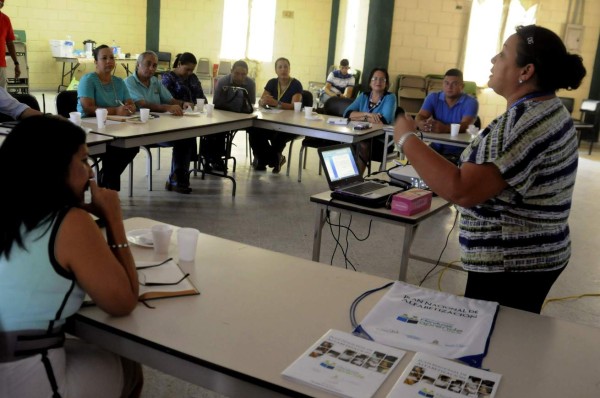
403, 139
16, 63
119, 246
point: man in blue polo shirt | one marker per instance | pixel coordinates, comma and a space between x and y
448, 106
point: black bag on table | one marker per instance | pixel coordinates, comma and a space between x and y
234, 99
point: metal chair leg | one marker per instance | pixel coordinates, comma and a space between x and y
301, 158
289, 160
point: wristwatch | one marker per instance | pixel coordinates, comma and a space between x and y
16, 63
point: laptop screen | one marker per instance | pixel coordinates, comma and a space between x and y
339, 163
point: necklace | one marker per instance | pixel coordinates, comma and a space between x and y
106, 91
372, 104
530, 96
280, 90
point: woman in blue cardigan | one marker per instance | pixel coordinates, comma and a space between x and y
377, 106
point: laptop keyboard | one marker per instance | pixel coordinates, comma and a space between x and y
363, 188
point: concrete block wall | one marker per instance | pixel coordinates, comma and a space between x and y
103, 21
429, 37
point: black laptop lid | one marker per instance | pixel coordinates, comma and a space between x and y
340, 165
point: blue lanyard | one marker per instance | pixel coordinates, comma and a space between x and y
530, 96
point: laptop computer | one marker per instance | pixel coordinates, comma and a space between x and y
345, 181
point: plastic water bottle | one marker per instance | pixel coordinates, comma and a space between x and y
68, 47
115, 48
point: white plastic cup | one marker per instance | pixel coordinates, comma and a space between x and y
187, 239
199, 104
209, 109
454, 129
297, 106
144, 114
101, 114
308, 111
75, 118
161, 236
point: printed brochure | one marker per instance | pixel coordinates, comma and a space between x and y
428, 376
344, 364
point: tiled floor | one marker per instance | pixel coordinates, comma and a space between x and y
272, 211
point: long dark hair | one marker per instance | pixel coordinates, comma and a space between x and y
34, 167
184, 58
555, 67
387, 78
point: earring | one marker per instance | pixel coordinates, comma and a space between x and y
520, 81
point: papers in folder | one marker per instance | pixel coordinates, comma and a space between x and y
338, 120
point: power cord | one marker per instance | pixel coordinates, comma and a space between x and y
339, 232
355, 325
550, 300
442, 252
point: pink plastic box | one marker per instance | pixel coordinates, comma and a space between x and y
411, 202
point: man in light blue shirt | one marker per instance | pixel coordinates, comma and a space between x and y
148, 92
10, 106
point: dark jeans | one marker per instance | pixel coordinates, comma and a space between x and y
183, 153
521, 290
268, 144
114, 162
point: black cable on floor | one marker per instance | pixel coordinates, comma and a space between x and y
349, 231
442, 252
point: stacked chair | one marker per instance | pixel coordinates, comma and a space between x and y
412, 90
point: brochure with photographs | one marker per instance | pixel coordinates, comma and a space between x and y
344, 364
430, 376
160, 279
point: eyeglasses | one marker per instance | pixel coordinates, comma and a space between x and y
142, 281
142, 276
154, 265
379, 79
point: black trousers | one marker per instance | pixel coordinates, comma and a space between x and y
114, 162
212, 147
268, 144
521, 290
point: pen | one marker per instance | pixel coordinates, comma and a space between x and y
126, 107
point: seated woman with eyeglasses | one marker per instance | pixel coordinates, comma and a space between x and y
377, 106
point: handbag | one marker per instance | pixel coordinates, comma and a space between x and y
234, 99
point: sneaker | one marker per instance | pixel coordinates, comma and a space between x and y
257, 165
177, 188
279, 164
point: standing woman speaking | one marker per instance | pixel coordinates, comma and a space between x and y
515, 183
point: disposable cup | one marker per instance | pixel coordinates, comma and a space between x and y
101, 114
161, 237
454, 129
308, 111
199, 104
75, 118
187, 239
297, 106
144, 114
209, 109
